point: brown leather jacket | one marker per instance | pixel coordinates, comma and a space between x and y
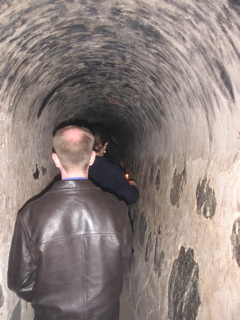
68, 253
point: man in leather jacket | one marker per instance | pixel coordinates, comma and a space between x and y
70, 247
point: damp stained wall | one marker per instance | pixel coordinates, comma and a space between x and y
163, 76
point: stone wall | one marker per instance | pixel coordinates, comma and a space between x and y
186, 242
163, 76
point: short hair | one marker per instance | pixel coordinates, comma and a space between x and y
73, 152
101, 137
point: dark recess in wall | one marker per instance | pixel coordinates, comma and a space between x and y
44, 171
151, 176
183, 296
145, 179
133, 217
142, 228
178, 181
1, 297
148, 247
226, 79
235, 238
157, 182
36, 173
158, 255
206, 201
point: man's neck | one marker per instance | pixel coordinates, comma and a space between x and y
76, 174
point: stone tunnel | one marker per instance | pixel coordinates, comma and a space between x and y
163, 77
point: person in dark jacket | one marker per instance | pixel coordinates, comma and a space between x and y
114, 153
108, 175
70, 247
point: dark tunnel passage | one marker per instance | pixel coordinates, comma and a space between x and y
163, 77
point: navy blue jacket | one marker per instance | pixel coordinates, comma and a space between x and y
111, 178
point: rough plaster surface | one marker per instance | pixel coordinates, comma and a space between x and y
214, 242
163, 76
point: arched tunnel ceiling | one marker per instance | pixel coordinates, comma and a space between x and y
139, 67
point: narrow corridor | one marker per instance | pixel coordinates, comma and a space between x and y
163, 77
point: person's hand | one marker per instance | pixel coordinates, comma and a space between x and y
132, 182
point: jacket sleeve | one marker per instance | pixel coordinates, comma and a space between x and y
128, 193
22, 270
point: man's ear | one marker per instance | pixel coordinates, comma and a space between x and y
92, 159
56, 160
